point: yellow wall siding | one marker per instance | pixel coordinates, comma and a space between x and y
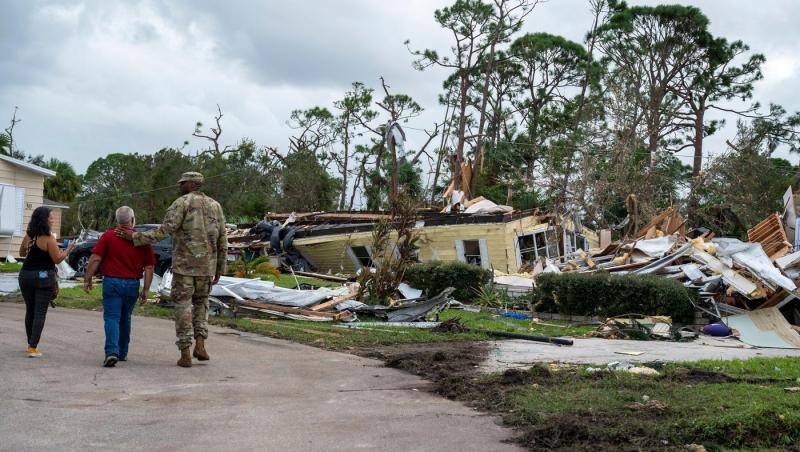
329, 253
33, 184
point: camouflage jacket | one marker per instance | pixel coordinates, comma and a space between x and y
197, 225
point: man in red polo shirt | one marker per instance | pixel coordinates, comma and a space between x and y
123, 265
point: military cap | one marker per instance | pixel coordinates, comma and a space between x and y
191, 176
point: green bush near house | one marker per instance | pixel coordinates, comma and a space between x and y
605, 295
434, 277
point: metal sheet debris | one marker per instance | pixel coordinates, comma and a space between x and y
764, 328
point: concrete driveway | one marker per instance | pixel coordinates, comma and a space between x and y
255, 394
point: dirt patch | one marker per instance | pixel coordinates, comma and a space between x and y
451, 366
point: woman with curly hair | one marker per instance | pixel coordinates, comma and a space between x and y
37, 279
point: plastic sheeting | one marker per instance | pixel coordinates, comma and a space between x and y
516, 281
487, 207
656, 248
257, 290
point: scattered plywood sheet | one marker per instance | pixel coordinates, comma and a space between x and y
764, 328
738, 282
788, 261
771, 235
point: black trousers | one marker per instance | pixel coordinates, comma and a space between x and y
37, 289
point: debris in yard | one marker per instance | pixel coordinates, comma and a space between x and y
420, 325
643, 371
516, 316
629, 353
635, 327
792, 389
624, 366
764, 328
453, 325
651, 406
526, 337
717, 330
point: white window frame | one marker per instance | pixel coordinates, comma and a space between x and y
17, 203
547, 245
573, 241
483, 248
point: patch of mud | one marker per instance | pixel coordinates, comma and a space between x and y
451, 366
571, 432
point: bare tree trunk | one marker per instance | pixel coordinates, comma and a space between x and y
390, 143
436, 173
361, 175
462, 126
581, 103
441, 153
343, 196
482, 121
697, 165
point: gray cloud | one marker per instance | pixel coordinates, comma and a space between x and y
95, 77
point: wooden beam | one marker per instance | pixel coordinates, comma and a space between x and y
322, 276
329, 304
291, 310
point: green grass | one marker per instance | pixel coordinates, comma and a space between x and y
328, 335
781, 367
572, 408
76, 298
288, 281
496, 322
8, 267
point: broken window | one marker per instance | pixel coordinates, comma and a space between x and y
527, 250
538, 244
551, 241
473, 252
362, 255
581, 242
569, 242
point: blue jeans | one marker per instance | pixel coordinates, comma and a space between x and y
119, 299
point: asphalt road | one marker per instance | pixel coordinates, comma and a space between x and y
256, 393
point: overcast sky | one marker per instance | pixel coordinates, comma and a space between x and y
96, 77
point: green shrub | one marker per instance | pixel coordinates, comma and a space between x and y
434, 277
606, 295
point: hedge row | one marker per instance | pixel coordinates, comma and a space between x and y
434, 277
606, 295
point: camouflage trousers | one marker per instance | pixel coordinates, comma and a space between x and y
190, 294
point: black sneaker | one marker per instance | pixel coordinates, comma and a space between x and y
122, 359
110, 361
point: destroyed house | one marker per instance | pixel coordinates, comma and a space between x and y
340, 242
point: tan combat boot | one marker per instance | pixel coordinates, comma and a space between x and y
186, 358
200, 349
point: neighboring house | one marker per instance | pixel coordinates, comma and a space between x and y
341, 242
21, 191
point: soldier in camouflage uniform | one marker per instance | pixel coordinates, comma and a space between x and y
199, 248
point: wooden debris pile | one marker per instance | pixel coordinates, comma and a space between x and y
731, 276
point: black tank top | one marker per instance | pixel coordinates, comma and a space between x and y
38, 259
